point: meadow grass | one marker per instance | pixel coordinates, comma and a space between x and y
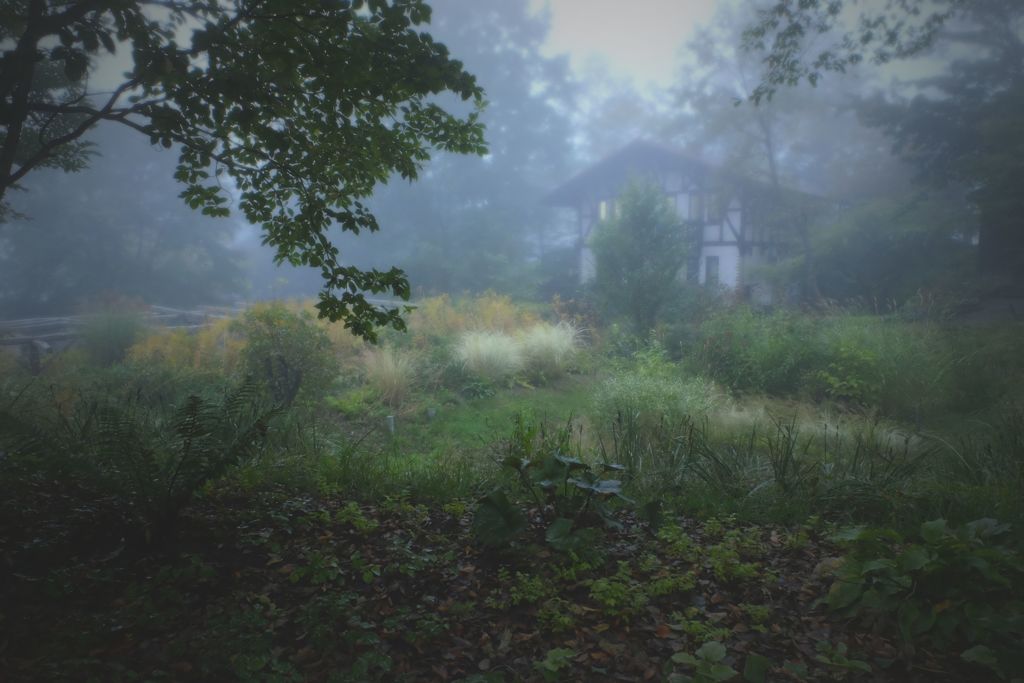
880, 445
547, 349
390, 373
492, 356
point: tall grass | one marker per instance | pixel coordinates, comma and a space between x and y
492, 356
390, 373
547, 349
914, 371
860, 471
648, 400
441, 317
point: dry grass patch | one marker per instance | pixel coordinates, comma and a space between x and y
492, 356
390, 373
547, 349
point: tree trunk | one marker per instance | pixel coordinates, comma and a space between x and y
1001, 252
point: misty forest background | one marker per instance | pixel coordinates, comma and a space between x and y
540, 479
896, 146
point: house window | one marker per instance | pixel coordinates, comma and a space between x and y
602, 210
696, 212
711, 271
714, 209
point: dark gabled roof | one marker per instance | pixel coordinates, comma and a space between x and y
606, 177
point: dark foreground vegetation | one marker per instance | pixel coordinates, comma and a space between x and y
747, 497
647, 479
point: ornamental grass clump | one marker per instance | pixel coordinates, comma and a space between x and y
547, 349
390, 373
649, 399
492, 356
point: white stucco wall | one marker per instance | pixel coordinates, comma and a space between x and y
588, 265
736, 218
729, 261
728, 264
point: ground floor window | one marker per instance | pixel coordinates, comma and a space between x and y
711, 271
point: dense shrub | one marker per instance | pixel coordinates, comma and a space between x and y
343, 342
679, 327
288, 353
145, 442
950, 588
906, 370
749, 351
108, 335
639, 252
986, 366
899, 369
9, 363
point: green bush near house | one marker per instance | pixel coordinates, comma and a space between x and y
288, 353
640, 251
905, 370
755, 352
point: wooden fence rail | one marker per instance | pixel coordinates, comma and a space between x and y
36, 336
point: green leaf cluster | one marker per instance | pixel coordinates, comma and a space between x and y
297, 108
639, 253
151, 458
568, 492
707, 664
948, 587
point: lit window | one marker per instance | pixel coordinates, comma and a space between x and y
602, 210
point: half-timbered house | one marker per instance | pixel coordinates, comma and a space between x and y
736, 223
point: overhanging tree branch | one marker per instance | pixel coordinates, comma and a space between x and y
306, 105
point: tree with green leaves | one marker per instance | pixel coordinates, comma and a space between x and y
802, 40
116, 233
802, 138
960, 129
472, 224
293, 110
639, 253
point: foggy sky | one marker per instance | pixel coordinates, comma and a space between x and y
639, 41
